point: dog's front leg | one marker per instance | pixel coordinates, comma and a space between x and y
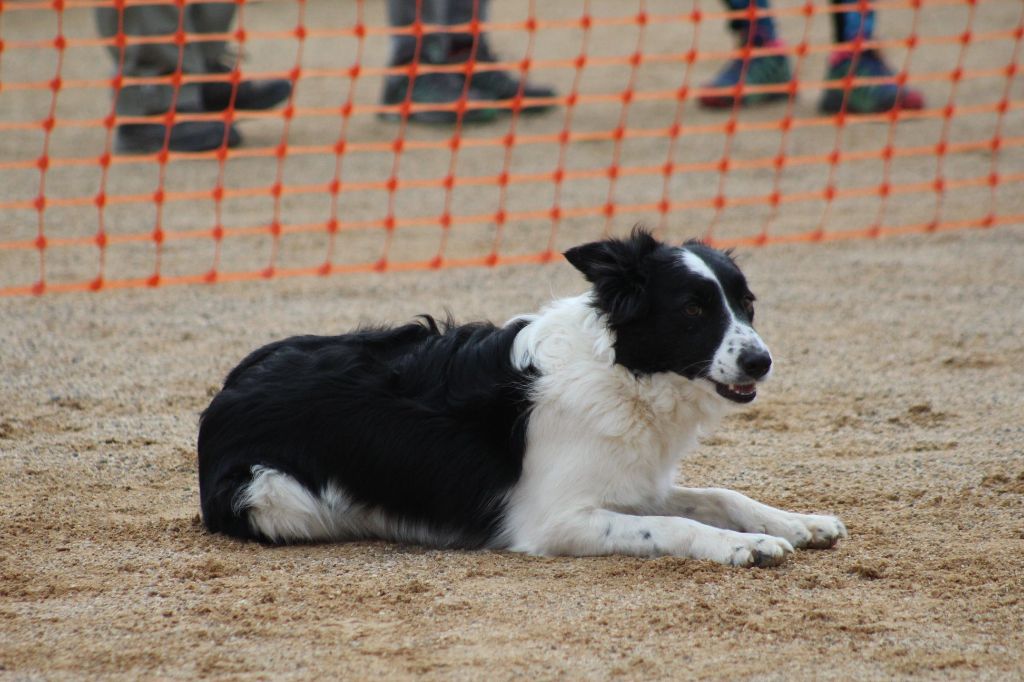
601, 532
723, 508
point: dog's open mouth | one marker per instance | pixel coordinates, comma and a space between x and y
740, 393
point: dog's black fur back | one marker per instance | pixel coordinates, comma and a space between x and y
425, 421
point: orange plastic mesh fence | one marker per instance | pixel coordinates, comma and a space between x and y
323, 184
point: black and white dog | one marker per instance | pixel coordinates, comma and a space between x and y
558, 433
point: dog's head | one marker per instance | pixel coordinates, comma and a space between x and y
686, 310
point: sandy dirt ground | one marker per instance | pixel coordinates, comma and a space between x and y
897, 404
898, 401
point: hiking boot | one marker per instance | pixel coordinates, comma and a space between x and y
866, 99
250, 95
766, 70
434, 88
187, 136
501, 85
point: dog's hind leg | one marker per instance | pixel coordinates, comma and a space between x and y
602, 532
729, 509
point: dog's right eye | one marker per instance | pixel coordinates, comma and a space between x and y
693, 310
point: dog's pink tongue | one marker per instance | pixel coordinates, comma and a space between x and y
742, 388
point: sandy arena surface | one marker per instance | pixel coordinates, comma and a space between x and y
897, 404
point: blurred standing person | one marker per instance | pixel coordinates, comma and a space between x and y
145, 60
444, 48
847, 26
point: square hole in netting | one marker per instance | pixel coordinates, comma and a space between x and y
72, 264
354, 247
748, 186
305, 171
972, 165
316, 130
737, 221
19, 267
471, 241
188, 175
482, 161
262, 137
20, 144
416, 244
82, 144
971, 203
912, 209
631, 191
358, 207
854, 213
424, 164
654, 117
130, 260
320, 94
596, 119
305, 208
535, 158
29, 65
187, 257
304, 249
687, 189
422, 205
359, 167
71, 222
798, 218
691, 223
247, 211
131, 177
526, 237
475, 200
19, 224
529, 197
1009, 198
858, 174
18, 185
585, 196
130, 218
249, 251
189, 218
251, 173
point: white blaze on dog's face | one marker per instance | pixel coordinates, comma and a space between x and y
686, 310
742, 358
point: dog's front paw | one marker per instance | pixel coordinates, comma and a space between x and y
760, 550
812, 531
745, 549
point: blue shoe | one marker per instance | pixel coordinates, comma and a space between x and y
866, 99
767, 70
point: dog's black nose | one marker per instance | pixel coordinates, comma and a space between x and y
755, 363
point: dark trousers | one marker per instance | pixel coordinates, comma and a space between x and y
160, 59
846, 25
435, 47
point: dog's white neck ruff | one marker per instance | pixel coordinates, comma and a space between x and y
599, 436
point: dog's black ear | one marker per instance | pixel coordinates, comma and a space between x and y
619, 271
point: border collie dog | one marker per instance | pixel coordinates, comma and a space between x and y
556, 434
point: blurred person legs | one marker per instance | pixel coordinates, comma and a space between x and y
757, 71
445, 49
495, 84
848, 62
159, 60
848, 27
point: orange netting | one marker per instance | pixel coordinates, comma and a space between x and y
321, 185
